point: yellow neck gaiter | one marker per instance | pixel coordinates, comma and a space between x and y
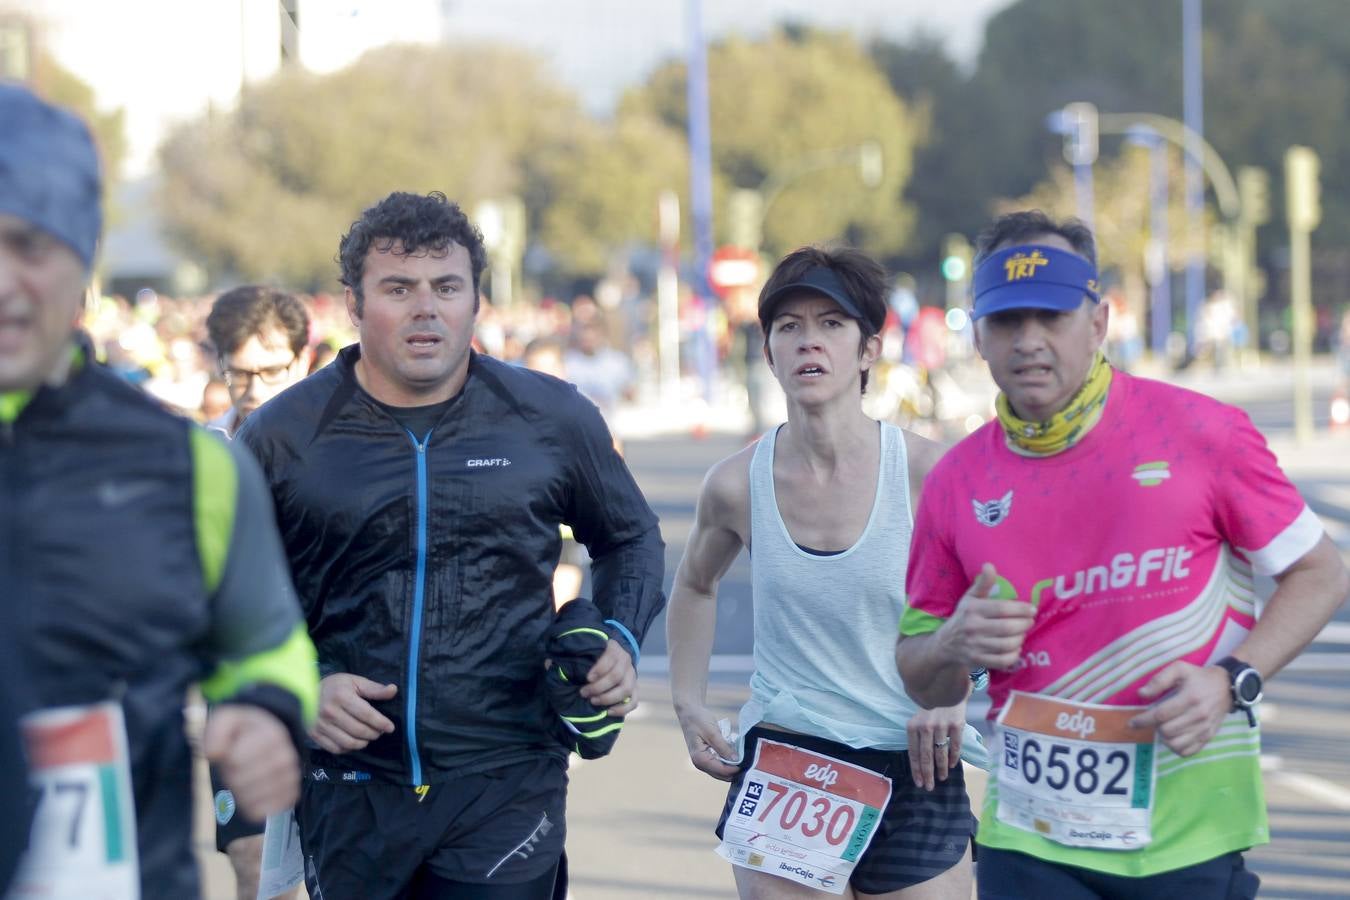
1067, 427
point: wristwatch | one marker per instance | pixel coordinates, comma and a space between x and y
1245, 683
979, 679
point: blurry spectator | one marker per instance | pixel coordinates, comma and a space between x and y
600, 372
746, 355
1124, 344
545, 355
1342, 341
584, 309
926, 340
1214, 331
260, 337
324, 352
215, 401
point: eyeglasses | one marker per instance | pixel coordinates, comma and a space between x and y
272, 375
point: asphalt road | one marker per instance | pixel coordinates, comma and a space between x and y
640, 822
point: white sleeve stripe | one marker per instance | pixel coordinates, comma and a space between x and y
1289, 546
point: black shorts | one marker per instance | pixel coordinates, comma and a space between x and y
230, 823
375, 839
1009, 875
921, 833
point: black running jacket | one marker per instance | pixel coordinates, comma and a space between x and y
427, 560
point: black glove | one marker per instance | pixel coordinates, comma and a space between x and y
575, 643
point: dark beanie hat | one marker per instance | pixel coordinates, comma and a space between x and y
49, 172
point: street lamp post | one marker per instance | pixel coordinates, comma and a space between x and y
1155, 253
700, 186
1161, 282
1077, 123
1227, 197
1193, 103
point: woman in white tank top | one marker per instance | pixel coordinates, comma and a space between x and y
823, 504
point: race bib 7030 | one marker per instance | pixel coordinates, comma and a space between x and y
803, 816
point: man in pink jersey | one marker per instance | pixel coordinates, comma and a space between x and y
1094, 548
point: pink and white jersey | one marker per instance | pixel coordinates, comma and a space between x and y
1136, 547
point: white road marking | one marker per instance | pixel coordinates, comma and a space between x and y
1315, 788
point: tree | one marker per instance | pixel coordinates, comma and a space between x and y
1276, 83
597, 190
947, 109
262, 192
782, 103
64, 88
1276, 74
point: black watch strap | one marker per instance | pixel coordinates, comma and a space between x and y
1239, 671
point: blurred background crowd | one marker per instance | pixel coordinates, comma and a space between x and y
640, 166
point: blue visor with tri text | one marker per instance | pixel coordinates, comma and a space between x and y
1031, 276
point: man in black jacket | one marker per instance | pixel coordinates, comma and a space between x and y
419, 488
138, 554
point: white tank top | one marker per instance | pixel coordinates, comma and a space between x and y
825, 626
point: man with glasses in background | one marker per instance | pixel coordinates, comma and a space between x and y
261, 339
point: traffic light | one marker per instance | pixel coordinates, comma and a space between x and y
1254, 195
1080, 134
1302, 168
956, 268
745, 218
955, 257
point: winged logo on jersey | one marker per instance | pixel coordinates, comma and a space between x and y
993, 512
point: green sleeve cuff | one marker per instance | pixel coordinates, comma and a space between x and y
12, 403
914, 622
215, 482
292, 666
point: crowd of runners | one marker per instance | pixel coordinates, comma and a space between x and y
356, 564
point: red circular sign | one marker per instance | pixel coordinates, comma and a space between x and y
732, 267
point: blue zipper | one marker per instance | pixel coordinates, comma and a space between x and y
419, 590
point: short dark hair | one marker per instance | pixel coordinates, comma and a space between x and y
1020, 227
864, 278
248, 310
419, 224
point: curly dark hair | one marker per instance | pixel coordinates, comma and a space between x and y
250, 309
416, 224
863, 277
1021, 227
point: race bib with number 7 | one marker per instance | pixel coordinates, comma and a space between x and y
803, 816
1076, 773
82, 845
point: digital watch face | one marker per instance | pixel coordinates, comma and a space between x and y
1248, 686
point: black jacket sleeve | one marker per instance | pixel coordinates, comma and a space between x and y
609, 515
